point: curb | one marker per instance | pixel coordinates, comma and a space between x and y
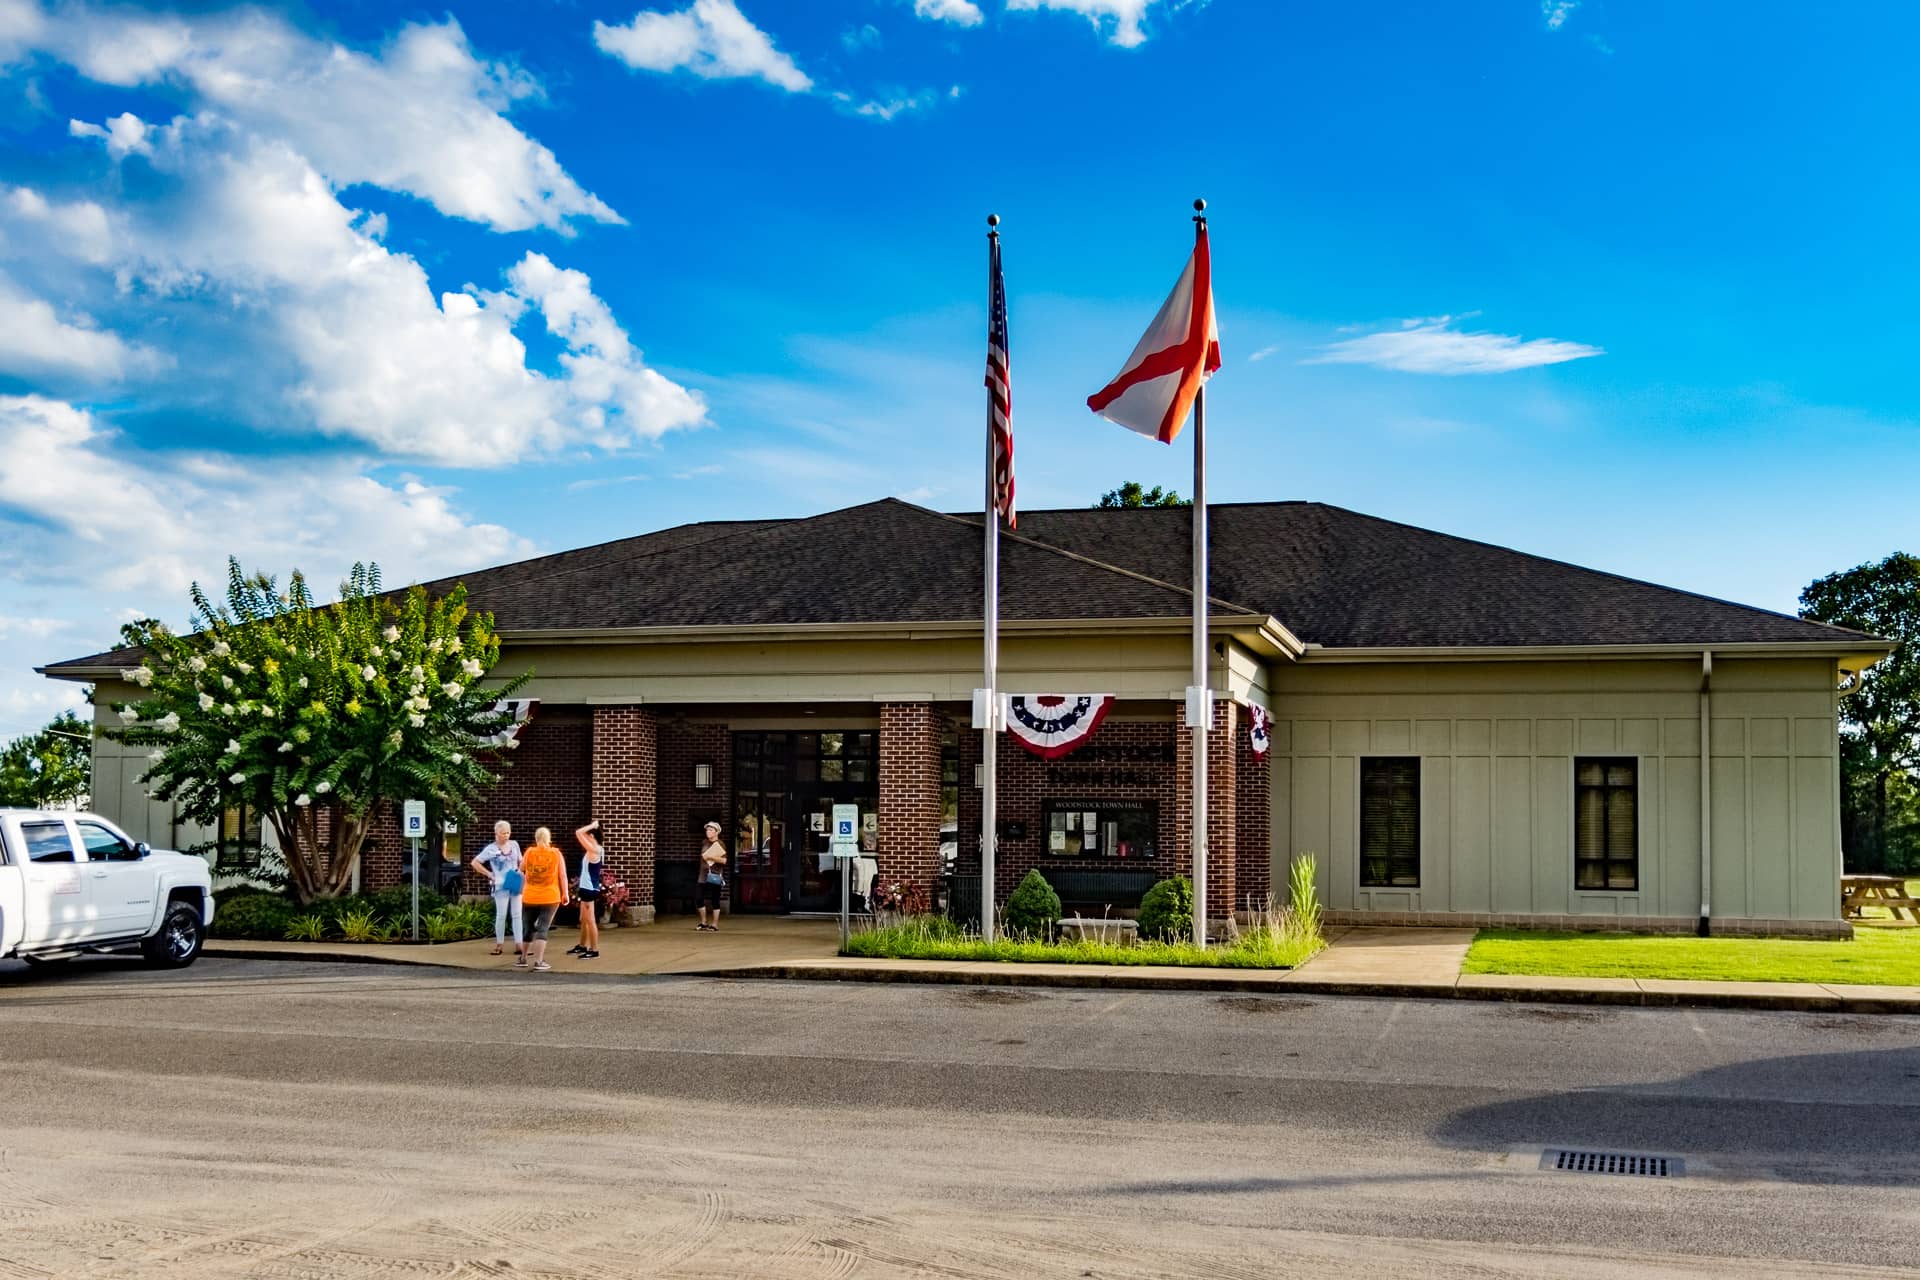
1119, 979
253, 953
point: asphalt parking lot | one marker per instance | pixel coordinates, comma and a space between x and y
258, 1118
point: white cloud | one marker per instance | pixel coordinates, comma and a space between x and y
423, 115
710, 38
35, 342
1261, 354
78, 229
254, 243
857, 39
1556, 12
125, 134
90, 513
1119, 20
962, 13
1432, 345
887, 108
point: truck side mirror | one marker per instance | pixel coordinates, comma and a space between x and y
143, 848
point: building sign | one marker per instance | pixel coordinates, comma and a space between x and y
1123, 764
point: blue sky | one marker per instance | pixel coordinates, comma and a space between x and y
1629, 285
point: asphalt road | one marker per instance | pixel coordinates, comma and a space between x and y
294, 1120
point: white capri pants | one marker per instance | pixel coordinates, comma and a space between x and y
506, 906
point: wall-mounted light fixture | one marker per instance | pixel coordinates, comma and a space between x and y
703, 776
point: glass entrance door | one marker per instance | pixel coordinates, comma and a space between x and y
785, 787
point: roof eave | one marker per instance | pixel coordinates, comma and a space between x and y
1235, 623
1852, 654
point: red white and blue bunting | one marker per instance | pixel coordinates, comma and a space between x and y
1052, 724
521, 709
1259, 731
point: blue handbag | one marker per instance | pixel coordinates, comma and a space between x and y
513, 882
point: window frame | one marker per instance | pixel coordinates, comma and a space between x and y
1146, 809
237, 854
1605, 788
1360, 826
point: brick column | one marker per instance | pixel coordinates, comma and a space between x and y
1222, 810
1253, 851
909, 835
626, 752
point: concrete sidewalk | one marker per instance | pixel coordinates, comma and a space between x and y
1394, 962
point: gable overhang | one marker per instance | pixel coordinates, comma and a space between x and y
1852, 655
1264, 634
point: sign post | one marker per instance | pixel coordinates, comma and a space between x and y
413, 825
845, 846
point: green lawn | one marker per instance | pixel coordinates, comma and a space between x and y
1876, 955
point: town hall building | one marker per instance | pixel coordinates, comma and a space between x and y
1458, 732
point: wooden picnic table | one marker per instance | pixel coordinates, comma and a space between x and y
1890, 892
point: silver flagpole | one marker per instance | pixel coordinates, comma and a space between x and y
1200, 698
990, 734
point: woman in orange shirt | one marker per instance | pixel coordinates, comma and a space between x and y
545, 893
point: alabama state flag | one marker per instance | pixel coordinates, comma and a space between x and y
1179, 352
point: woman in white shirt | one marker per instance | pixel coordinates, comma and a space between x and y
499, 862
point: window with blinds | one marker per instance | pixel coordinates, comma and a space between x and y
1606, 803
1390, 822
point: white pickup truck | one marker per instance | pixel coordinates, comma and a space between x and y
73, 882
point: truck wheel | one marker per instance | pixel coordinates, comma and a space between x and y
177, 944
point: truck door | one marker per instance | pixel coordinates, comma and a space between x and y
119, 883
56, 897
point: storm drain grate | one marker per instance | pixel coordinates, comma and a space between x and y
1621, 1163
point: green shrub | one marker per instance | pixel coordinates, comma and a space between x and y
458, 922
307, 928
252, 915
1032, 908
1166, 912
1303, 900
397, 903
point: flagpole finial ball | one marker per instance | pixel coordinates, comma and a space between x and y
993, 219
1199, 206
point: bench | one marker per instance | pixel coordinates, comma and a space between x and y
1086, 889
1098, 928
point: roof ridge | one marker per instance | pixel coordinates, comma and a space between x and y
1601, 573
595, 546
1083, 559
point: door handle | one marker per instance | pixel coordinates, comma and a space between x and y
99, 875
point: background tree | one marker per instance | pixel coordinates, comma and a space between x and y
1131, 494
1880, 715
314, 715
48, 769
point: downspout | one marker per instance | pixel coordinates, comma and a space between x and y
1706, 792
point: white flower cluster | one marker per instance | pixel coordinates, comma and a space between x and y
168, 723
367, 672
302, 800
128, 715
233, 746
390, 634
244, 668
471, 668
196, 664
451, 689
453, 645
322, 787
141, 675
221, 648
206, 702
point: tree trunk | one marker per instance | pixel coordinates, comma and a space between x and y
320, 868
1880, 859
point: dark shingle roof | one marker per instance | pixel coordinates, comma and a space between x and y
1342, 579
1334, 577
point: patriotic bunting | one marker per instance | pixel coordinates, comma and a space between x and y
1052, 724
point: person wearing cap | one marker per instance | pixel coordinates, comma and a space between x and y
713, 879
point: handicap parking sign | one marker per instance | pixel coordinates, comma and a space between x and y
846, 836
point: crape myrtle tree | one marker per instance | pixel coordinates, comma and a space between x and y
1133, 494
1880, 714
313, 715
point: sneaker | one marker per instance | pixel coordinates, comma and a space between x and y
576, 949
542, 967
589, 955
519, 962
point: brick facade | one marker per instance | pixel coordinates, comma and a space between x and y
1124, 760
909, 824
1253, 850
1223, 758
682, 811
624, 750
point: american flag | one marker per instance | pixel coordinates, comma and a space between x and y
999, 387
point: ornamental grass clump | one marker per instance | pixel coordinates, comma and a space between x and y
293, 709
